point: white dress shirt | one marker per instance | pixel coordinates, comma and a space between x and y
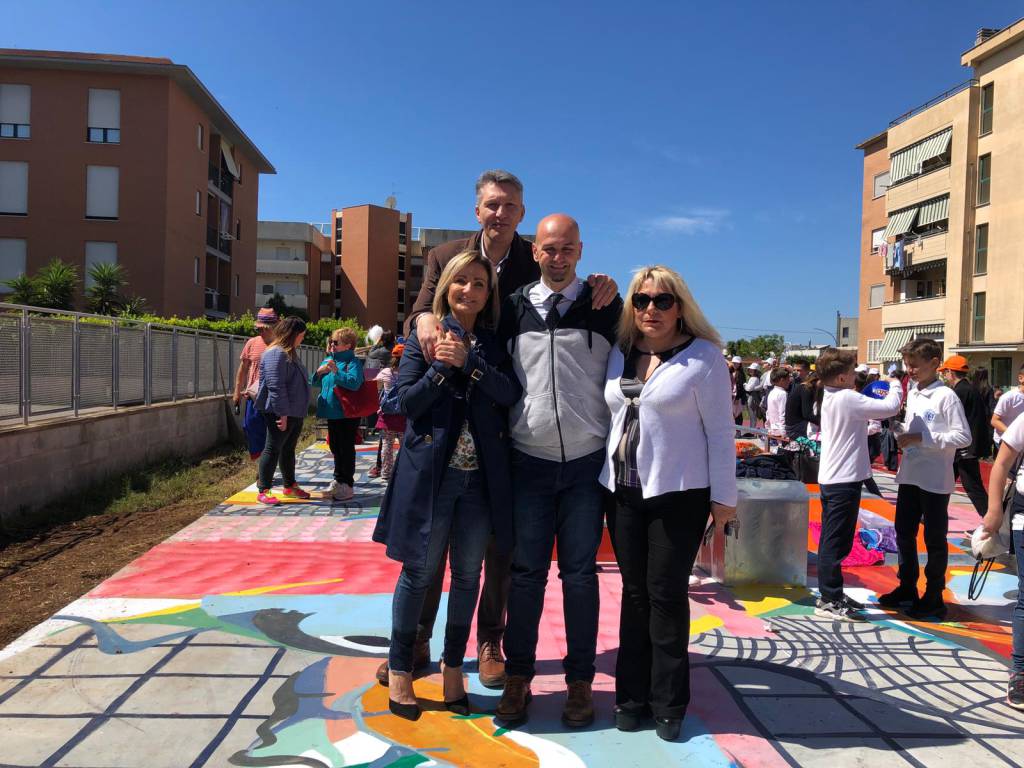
937, 414
540, 297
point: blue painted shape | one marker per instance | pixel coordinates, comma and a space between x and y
110, 642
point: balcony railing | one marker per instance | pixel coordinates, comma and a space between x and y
216, 240
932, 102
221, 179
218, 302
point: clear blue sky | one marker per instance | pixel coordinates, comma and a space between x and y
717, 138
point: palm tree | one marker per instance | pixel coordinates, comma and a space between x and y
24, 290
104, 295
132, 306
57, 281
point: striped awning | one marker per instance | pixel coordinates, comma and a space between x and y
933, 210
900, 222
895, 338
907, 162
893, 342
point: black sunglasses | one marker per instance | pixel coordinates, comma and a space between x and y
662, 301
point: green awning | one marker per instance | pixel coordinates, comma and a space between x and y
894, 340
933, 210
907, 162
936, 329
900, 222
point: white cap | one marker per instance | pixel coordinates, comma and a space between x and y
861, 369
872, 371
892, 369
754, 367
736, 359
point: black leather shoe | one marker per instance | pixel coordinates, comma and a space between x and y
629, 719
459, 706
668, 728
406, 711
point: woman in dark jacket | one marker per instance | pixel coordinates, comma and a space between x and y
452, 476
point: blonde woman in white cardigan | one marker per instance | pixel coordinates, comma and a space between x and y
671, 463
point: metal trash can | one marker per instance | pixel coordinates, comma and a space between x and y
771, 547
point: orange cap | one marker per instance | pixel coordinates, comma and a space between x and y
955, 363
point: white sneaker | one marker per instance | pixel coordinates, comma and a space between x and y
341, 491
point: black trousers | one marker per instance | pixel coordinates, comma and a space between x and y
341, 434
840, 505
969, 473
912, 506
279, 449
656, 542
490, 615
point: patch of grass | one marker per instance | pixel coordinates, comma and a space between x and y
209, 478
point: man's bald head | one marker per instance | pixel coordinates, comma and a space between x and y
558, 249
561, 223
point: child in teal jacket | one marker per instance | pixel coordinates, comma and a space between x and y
340, 369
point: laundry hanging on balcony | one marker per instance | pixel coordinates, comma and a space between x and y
229, 159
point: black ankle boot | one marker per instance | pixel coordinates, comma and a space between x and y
668, 728
629, 719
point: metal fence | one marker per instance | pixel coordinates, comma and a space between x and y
54, 362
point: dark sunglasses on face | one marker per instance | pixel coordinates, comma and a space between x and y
662, 301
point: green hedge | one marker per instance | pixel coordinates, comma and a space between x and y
316, 333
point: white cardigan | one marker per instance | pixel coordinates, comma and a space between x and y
686, 426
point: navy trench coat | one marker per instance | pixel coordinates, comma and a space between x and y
481, 393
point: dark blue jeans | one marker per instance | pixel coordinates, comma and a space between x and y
279, 449
840, 505
564, 500
462, 522
915, 506
1017, 508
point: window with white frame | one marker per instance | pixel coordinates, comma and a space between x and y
877, 238
199, 203
101, 191
98, 253
104, 116
880, 184
325, 286
267, 289
15, 109
13, 188
200, 137
12, 260
874, 349
282, 253
876, 296
195, 271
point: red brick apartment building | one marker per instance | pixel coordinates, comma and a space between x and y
128, 159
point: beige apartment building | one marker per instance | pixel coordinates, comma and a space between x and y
295, 260
943, 218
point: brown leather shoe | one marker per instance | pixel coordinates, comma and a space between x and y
491, 665
579, 706
514, 700
420, 660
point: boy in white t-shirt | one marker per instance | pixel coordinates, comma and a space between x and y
1009, 451
1008, 407
775, 409
933, 428
844, 466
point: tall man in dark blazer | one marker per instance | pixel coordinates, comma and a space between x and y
499, 209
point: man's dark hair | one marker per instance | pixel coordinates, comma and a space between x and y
833, 363
923, 349
778, 374
498, 176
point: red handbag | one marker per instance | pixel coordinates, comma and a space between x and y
357, 403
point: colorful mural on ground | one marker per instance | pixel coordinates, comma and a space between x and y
251, 637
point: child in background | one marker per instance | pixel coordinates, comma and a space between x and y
341, 368
775, 418
392, 425
844, 467
933, 428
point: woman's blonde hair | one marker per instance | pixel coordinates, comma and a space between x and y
489, 314
345, 336
286, 334
692, 321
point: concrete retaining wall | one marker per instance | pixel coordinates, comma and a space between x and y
42, 462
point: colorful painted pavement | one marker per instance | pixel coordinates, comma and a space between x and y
250, 638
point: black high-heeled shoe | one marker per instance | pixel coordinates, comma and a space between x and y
459, 706
668, 728
406, 711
